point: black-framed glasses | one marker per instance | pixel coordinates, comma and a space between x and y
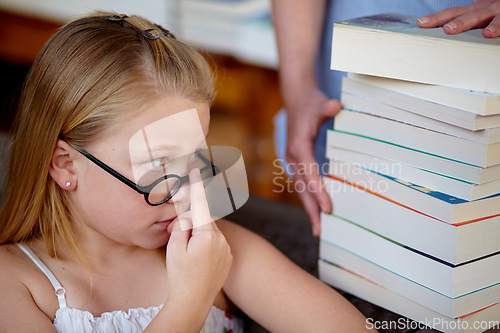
163, 188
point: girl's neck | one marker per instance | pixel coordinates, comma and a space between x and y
99, 256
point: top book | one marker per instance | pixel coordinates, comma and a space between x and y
393, 46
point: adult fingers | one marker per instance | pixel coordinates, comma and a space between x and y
482, 13
300, 155
313, 210
470, 20
438, 19
313, 184
309, 186
493, 29
330, 108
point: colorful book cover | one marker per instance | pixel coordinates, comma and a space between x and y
448, 202
435, 194
405, 147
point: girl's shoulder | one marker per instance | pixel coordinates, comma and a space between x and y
16, 266
14, 262
23, 281
21, 286
14, 270
11, 260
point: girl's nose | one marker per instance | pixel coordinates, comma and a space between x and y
182, 195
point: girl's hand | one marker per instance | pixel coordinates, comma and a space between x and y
198, 259
480, 14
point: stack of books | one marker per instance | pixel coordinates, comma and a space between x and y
415, 173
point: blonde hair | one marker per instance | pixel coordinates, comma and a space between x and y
93, 71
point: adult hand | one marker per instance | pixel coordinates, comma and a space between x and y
480, 14
306, 113
198, 259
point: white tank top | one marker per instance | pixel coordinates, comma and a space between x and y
134, 320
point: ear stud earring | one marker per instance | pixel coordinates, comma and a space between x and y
68, 184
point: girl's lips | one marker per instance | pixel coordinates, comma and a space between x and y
166, 223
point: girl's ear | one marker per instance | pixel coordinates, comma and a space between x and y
62, 166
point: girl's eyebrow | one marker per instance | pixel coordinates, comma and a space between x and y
162, 150
163, 147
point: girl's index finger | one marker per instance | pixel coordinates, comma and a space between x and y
199, 205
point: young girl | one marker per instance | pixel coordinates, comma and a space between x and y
86, 247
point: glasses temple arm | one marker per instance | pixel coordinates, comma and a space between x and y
112, 172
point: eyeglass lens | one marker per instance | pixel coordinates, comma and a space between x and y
171, 183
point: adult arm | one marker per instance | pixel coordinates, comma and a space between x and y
298, 26
480, 14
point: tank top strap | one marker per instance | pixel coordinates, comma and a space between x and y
58, 289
